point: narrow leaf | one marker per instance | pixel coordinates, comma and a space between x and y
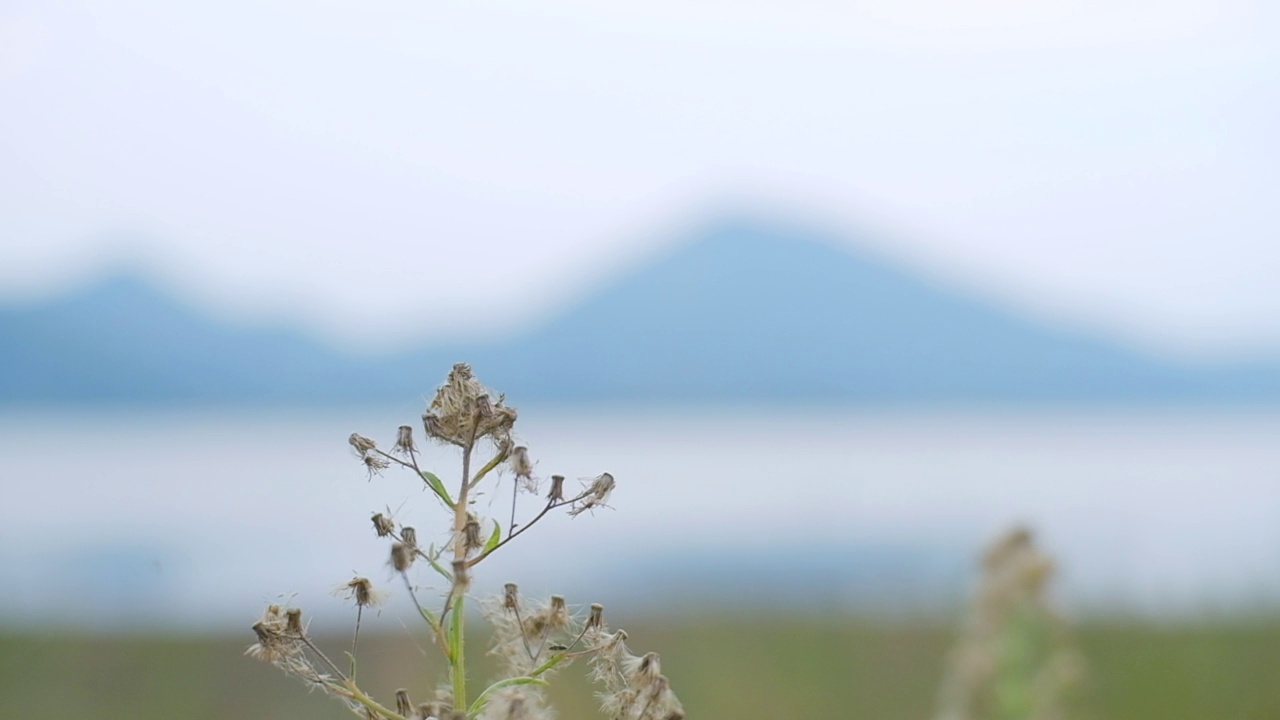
430, 617
494, 539
483, 700
432, 555
437, 486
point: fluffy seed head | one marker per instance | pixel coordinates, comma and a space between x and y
520, 463
596, 495
360, 591
293, 621
401, 557
375, 464
510, 597
276, 644
559, 610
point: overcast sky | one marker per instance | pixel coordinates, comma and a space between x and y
372, 167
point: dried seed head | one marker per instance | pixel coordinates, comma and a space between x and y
404, 441
557, 489
403, 705
662, 702
597, 494
461, 575
431, 710
360, 591
472, 539
401, 557
649, 667
596, 619
559, 612
263, 632
361, 444
277, 643
375, 464
383, 525
616, 642
510, 597
431, 426
409, 537
520, 463
463, 411
293, 621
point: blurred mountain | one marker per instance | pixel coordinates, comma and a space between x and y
741, 312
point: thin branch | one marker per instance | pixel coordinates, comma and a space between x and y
549, 507
515, 493
523, 637
312, 646
437, 627
355, 638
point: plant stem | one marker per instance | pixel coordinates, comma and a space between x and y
459, 670
457, 660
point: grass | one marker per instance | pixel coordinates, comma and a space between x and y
745, 668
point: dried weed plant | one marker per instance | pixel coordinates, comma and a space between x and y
1014, 659
531, 640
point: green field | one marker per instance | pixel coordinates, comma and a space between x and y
751, 668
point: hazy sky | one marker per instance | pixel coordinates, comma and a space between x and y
372, 167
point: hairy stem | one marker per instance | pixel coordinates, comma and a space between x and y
457, 660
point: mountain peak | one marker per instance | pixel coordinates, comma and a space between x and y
744, 310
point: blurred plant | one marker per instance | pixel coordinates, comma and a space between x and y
1014, 659
532, 641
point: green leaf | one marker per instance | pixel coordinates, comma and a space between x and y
437, 486
483, 700
435, 564
429, 616
494, 539
551, 662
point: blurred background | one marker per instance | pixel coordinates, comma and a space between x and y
838, 292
